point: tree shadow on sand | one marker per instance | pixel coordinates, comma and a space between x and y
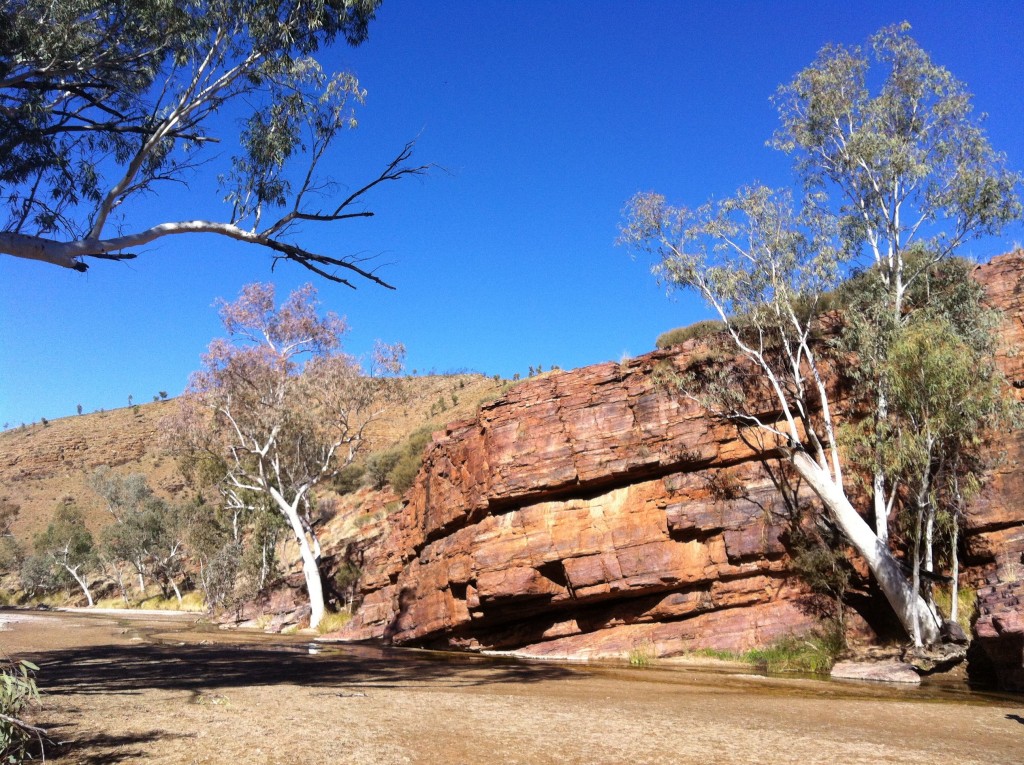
94, 748
130, 670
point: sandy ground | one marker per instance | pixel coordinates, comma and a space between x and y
120, 690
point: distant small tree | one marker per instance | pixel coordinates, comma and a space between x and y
379, 466
67, 546
150, 538
282, 408
11, 554
125, 497
213, 551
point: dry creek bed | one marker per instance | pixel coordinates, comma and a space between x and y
161, 689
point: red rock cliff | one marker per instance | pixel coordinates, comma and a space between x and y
589, 513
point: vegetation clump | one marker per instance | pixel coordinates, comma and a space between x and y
813, 653
641, 655
698, 330
18, 692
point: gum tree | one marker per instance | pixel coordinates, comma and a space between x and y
895, 180
67, 546
908, 171
282, 408
104, 103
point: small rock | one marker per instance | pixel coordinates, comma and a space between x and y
881, 671
952, 632
937, 658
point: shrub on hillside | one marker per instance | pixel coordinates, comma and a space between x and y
379, 465
11, 555
679, 335
38, 577
349, 478
404, 472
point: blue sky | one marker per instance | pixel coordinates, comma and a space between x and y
543, 119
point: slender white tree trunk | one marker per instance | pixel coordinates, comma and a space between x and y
881, 510
915, 578
929, 539
139, 568
177, 592
310, 570
954, 606
878, 486
81, 583
910, 607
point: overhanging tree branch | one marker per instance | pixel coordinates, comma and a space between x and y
99, 108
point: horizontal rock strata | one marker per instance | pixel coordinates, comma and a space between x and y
590, 513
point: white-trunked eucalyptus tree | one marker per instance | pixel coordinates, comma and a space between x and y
281, 408
895, 180
103, 103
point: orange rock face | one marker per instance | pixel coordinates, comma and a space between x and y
590, 513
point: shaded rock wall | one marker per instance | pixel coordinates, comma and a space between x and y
996, 541
588, 513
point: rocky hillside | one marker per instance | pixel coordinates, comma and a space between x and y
590, 513
42, 464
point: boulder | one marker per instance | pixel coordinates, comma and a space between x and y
876, 671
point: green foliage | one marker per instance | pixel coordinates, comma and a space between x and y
349, 478
967, 609
915, 135
259, 565
347, 575
934, 363
67, 547
398, 467
333, 621
103, 103
718, 653
39, 577
813, 653
121, 493
379, 465
641, 655
219, 574
402, 475
698, 330
18, 692
822, 567
11, 555
896, 170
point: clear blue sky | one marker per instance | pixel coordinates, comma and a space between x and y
545, 117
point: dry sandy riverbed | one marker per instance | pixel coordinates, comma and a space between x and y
158, 690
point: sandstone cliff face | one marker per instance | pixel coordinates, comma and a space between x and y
584, 514
590, 513
996, 542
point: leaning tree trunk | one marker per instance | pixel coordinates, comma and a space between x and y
911, 609
310, 569
81, 583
